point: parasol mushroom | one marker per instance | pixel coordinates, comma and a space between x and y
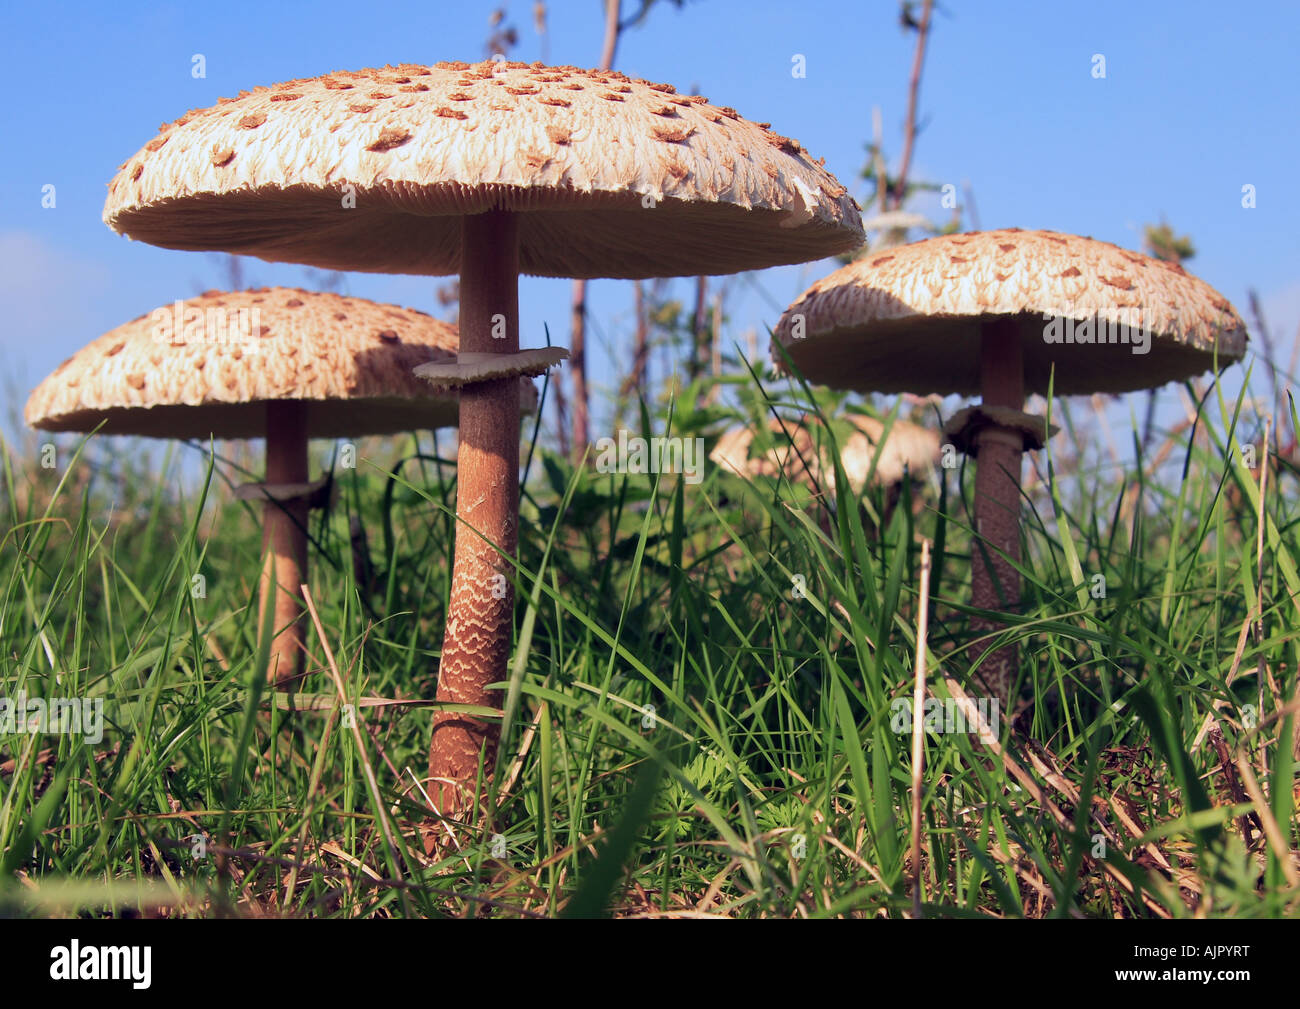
484, 170
282, 364
909, 447
992, 313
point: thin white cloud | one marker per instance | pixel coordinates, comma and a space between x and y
45, 294
47, 311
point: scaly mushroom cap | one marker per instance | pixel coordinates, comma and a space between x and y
350, 359
796, 453
371, 171
908, 319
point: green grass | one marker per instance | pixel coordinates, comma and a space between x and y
698, 716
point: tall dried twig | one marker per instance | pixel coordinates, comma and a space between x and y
918, 742
913, 91
578, 339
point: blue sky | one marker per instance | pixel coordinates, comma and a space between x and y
1199, 99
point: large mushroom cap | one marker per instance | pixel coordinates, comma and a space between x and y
667, 184
908, 319
800, 452
349, 359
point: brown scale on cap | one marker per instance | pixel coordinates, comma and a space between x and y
672, 134
783, 143
534, 158
390, 137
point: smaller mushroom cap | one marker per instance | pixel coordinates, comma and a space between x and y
207, 367
908, 319
908, 447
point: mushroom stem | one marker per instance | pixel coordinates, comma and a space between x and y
995, 581
284, 538
480, 613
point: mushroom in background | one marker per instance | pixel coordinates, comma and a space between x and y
800, 453
281, 364
993, 313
